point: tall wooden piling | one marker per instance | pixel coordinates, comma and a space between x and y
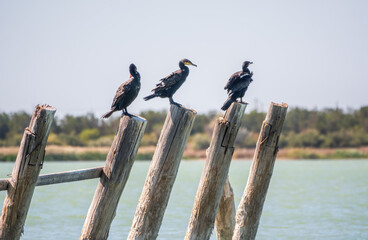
115, 174
214, 175
25, 173
251, 204
162, 173
225, 217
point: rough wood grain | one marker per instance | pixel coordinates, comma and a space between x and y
25, 173
61, 177
215, 172
115, 174
162, 173
250, 207
225, 218
4, 184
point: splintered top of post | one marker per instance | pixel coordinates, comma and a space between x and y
45, 107
42, 110
280, 105
181, 107
234, 109
135, 118
275, 112
42, 113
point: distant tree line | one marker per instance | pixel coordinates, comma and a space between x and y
328, 128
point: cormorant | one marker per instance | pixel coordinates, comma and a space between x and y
238, 84
170, 84
126, 93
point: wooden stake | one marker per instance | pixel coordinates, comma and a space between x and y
225, 218
250, 207
115, 174
162, 173
25, 173
213, 178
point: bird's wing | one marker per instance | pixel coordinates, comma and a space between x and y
233, 78
121, 92
168, 81
246, 79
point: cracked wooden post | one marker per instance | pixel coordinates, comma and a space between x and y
250, 207
225, 218
25, 173
162, 173
214, 175
119, 162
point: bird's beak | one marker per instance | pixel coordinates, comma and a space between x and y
251, 63
193, 64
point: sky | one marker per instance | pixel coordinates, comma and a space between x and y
73, 55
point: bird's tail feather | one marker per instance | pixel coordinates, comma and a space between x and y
227, 104
149, 97
108, 114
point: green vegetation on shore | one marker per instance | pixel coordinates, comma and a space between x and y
89, 153
327, 129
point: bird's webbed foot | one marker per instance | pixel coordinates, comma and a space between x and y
177, 104
174, 103
125, 113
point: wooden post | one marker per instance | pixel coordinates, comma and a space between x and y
162, 173
251, 204
225, 218
214, 175
115, 174
25, 173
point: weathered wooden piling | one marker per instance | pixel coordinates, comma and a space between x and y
214, 175
225, 218
162, 173
25, 173
250, 207
115, 174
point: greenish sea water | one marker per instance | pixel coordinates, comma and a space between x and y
306, 200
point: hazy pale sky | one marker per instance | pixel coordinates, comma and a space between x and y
73, 55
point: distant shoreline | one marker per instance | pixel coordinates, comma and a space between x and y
63, 153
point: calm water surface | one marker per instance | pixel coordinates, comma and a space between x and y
306, 200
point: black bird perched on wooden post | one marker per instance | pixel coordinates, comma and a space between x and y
126, 93
170, 84
238, 84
